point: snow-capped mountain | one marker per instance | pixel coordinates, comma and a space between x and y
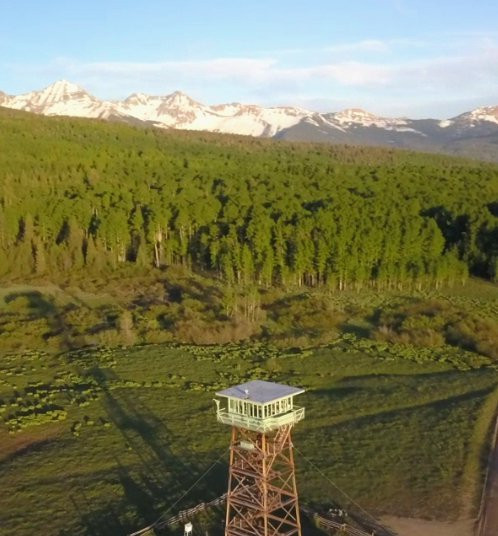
487, 114
180, 111
170, 111
479, 123
347, 126
61, 98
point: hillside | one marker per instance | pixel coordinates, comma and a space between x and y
90, 196
114, 235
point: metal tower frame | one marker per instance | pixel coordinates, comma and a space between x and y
262, 498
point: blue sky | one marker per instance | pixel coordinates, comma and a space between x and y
393, 57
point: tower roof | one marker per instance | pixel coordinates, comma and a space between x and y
260, 391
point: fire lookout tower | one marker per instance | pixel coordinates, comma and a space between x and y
262, 495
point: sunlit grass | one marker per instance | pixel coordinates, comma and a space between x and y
140, 428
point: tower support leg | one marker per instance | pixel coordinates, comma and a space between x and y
262, 495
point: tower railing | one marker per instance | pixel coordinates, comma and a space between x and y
266, 424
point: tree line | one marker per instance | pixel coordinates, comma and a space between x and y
87, 196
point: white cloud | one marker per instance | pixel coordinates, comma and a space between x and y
470, 70
162, 74
464, 74
214, 68
251, 72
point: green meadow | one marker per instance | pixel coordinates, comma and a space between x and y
105, 440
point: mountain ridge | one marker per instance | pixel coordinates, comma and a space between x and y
456, 135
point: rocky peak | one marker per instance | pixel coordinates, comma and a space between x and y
60, 90
355, 115
480, 116
485, 113
138, 98
180, 100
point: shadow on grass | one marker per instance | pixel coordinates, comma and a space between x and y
394, 379
402, 406
192, 289
45, 307
102, 522
361, 332
155, 486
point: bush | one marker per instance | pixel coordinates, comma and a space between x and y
477, 334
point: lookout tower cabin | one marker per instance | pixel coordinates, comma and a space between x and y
259, 406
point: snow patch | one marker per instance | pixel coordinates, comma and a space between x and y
178, 110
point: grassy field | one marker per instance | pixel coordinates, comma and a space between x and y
103, 441
105, 428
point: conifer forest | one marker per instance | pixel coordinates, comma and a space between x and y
85, 196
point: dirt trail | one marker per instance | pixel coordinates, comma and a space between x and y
488, 523
405, 526
488, 516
